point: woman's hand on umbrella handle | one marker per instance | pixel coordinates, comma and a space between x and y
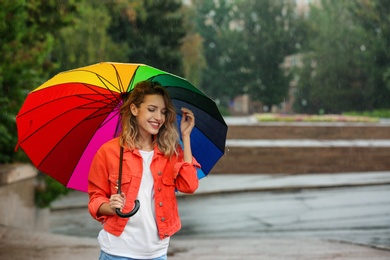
131, 213
117, 201
187, 122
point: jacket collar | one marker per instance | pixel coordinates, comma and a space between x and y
136, 151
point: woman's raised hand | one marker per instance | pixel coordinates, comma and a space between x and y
187, 122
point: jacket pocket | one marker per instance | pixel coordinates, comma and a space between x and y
168, 180
114, 180
170, 208
169, 186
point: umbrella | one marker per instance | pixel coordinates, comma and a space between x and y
63, 122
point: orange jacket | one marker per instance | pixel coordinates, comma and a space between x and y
168, 174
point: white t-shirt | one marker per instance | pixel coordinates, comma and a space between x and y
140, 237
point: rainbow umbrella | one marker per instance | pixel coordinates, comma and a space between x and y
63, 122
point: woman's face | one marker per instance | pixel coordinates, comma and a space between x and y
150, 115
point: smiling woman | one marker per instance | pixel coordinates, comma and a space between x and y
149, 107
77, 119
150, 116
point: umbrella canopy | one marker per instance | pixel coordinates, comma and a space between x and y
63, 122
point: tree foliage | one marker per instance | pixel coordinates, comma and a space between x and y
86, 41
345, 62
270, 34
192, 48
245, 44
374, 17
212, 23
151, 32
27, 36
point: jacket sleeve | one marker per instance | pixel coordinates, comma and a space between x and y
98, 185
186, 177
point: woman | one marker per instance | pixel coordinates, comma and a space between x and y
154, 166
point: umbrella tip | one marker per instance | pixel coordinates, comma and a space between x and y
17, 147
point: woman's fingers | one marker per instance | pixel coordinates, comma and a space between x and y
187, 121
117, 201
187, 113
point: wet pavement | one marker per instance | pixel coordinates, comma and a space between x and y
252, 216
352, 214
27, 245
246, 216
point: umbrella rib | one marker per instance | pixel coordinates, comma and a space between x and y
109, 101
113, 116
112, 96
105, 121
104, 80
100, 114
108, 96
133, 77
120, 83
67, 133
75, 108
205, 100
57, 144
221, 131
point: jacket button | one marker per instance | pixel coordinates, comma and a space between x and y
159, 189
159, 173
162, 219
160, 204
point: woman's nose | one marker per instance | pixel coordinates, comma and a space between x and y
158, 116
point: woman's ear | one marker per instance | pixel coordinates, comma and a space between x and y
134, 109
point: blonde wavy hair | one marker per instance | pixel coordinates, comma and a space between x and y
167, 137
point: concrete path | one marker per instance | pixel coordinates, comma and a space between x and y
271, 249
29, 245
18, 244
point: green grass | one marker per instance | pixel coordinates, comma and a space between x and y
268, 117
380, 113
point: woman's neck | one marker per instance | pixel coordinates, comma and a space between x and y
145, 144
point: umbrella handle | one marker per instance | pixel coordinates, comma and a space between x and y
136, 202
131, 213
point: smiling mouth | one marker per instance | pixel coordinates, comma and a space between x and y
155, 125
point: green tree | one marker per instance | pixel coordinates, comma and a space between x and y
86, 40
26, 40
221, 48
245, 43
151, 30
374, 17
27, 34
270, 33
192, 48
345, 59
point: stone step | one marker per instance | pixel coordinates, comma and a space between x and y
326, 131
303, 159
302, 147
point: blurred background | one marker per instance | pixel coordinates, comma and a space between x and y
266, 60
285, 56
